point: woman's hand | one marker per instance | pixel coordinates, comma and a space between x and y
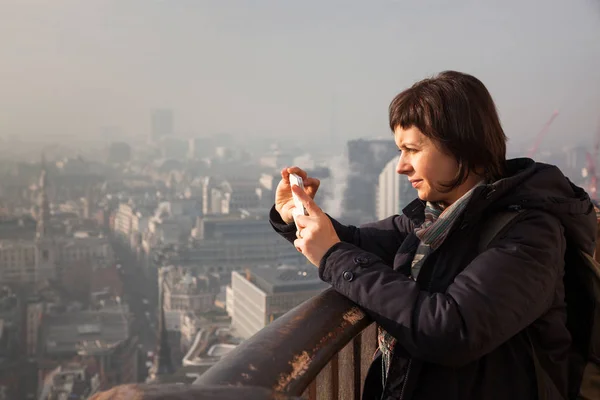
284, 203
315, 231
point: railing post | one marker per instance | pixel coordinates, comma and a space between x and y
367, 350
349, 371
328, 382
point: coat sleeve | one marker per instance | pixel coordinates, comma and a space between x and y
382, 238
502, 291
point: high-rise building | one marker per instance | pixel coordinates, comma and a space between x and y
261, 295
161, 123
185, 293
44, 209
45, 247
394, 191
366, 158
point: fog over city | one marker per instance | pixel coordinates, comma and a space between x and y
70, 69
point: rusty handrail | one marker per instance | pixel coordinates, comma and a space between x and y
187, 392
287, 355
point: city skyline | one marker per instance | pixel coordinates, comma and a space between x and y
282, 70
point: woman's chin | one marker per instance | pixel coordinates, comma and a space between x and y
428, 197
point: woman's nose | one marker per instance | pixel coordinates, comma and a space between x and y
403, 166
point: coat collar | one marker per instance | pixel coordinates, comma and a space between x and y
518, 170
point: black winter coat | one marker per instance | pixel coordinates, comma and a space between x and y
461, 326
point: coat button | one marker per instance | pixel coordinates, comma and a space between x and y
347, 275
361, 260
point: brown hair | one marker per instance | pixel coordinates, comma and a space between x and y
457, 112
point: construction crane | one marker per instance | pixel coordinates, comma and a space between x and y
591, 167
540, 136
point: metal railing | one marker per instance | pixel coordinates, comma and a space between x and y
319, 350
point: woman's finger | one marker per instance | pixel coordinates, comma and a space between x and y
298, 171
299, 244
312, 185
302, 220
310, 205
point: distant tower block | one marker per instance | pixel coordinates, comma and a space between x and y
88, 201
394, 191
161, 123
45, 248
43, 221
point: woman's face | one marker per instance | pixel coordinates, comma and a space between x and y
427, 167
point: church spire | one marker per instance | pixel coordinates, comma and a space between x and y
162, 359
43, 221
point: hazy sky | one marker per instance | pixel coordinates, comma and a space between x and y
71, 67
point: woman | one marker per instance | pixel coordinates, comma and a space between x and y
455, 321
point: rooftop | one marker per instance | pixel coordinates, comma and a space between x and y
211, 343
287, 278
181, 281
71, 380
85, 332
